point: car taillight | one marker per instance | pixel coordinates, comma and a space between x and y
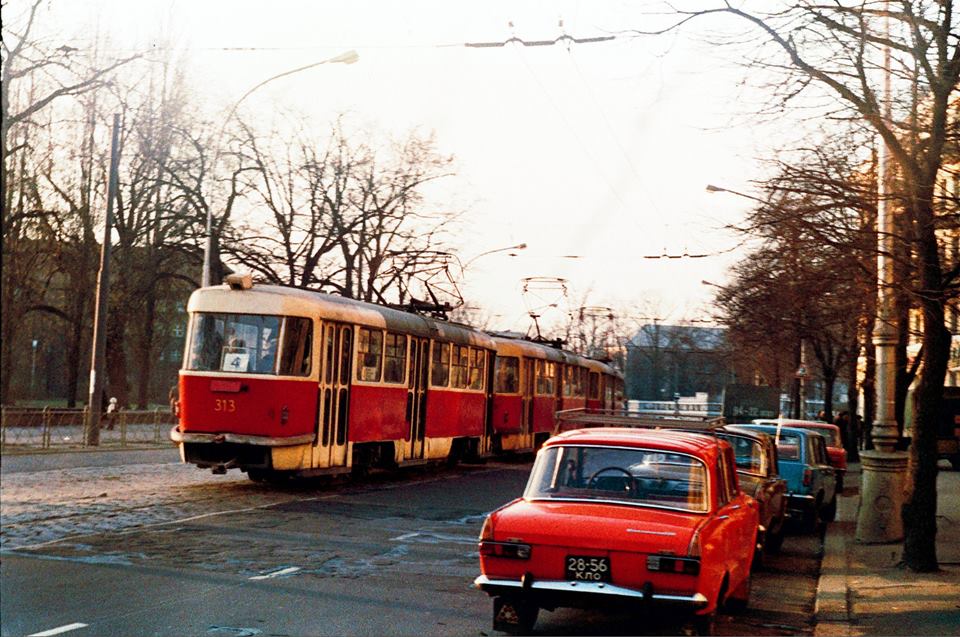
486, 532
670, 564
514, 550
694, 549
807, 477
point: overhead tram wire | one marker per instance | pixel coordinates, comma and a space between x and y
569, 40
613, 135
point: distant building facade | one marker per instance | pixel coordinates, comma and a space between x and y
666, 361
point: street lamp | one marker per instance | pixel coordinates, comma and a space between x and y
712, 188
344, 58
519, 246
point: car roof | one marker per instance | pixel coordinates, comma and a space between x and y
696, 443
747, 432
784, 429
797, 423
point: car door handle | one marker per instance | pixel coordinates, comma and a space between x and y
734, 507
723, 517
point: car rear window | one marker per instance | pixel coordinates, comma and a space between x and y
618, 474
788, 446
748, 452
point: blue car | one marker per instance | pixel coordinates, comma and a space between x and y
811, 481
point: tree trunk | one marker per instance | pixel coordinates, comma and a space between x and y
829, 381
920, 505
117, 386
145, 350
852, 435
869, 383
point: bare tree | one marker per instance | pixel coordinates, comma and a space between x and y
835, 49
36, 79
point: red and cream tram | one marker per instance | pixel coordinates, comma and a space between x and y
281, 381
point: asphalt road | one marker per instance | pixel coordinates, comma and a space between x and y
167, 550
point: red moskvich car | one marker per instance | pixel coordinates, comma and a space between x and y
622, 516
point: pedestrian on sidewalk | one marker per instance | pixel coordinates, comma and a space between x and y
112, 410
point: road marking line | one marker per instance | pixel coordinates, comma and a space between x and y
282, 571
57, 631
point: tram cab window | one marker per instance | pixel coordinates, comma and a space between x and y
369, 354
507, 379
440, 365
395, 358
250, 343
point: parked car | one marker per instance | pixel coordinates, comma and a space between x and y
618, 516
835, 451
756, 457
811, 481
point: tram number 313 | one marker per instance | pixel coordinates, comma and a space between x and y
228, 405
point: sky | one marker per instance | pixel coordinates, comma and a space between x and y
594, 155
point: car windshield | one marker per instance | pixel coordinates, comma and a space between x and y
622, 475
748, 452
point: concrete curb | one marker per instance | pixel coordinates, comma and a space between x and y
832, 612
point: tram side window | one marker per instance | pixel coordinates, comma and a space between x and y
395, 358
594, 386
369, 354
440, 365
546, 378
478, 359
507, 375
460, 366
578, 384
297, 341
568, 371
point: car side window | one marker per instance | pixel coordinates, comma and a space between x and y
726, 481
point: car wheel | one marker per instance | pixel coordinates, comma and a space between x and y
758, 552
700, 625
774, 540
840, 485
955, 462
739, 599
829, 513
811, 517
514, 616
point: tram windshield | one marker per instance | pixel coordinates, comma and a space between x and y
250, 343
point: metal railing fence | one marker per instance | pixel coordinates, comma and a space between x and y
52, 427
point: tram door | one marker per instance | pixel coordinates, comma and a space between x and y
335, 394
416, 399
529, 382
489, 372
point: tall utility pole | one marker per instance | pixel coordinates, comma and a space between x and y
879, 518
97, 364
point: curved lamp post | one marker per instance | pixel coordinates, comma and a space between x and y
344, 58
519, 246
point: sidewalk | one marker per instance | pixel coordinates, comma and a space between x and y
862, 591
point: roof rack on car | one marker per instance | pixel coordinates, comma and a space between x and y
588, 417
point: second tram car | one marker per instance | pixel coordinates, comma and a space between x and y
280, 381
